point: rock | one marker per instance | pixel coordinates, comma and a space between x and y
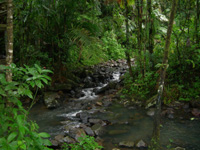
94, 121
75, 133
141, 144
97, 128
89, 131
151, 112
99, 104
170, 116
196, 112
54, 143
126, 144
51, 99
179, 148
84, 117
59, 138
109, 86
115, 149
68, 140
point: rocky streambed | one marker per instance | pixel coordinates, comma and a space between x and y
93, 109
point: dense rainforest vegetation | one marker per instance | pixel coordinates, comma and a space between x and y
69, 36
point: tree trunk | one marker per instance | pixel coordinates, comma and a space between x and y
157, 120
9, 50
139, 37
197, 23
151, 33
127, 42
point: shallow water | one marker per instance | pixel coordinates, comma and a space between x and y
135, 125
126, 124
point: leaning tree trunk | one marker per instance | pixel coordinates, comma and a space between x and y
9, 50
156, 130
127, 42
197, 22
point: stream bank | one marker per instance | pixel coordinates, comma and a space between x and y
93, 108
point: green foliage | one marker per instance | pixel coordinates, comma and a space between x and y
142, 87
85, 143
16, 133
113, 49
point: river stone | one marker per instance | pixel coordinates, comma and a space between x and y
68, 140
51, 99
84, 117
59, 138
54, 143
89, 131
97, 128
75, 133
151, 112
94, 121
141, 144
126, 144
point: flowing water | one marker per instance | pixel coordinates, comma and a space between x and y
126, 124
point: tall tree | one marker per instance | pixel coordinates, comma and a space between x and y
9, 50
127, 40
197, 21
139, 5
150, 46
156, 131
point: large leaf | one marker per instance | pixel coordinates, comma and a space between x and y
44, 135
11, 136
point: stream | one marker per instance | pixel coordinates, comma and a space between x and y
126, 124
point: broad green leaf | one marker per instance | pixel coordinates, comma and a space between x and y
28, 93
11, 136
46, 142
46, 71
2, 92
47, 77
38, 68
22, 145
44, 80
44, 135
38, 83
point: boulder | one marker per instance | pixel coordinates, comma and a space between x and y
59, 138
151, 112
89, 131
141, 144
109, 86
75, 133
97, 129
94, 121
51, 99
128, 144
84, 117
68, 140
